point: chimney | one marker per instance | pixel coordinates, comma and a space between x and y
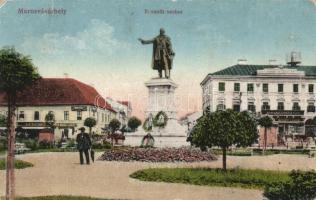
242, 61
294, 58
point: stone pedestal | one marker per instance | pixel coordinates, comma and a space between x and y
161, 97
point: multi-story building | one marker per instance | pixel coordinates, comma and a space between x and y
123, 109
286, 93
70, 101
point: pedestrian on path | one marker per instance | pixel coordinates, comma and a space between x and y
83, 145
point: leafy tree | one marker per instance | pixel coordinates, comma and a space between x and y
3, 121
224, 129
134, 123
114, 125
16, 72
302, 186
90, 122
265, 122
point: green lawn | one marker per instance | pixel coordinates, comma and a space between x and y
243, 178
19, 164
58, 198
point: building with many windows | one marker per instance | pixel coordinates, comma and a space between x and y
123, 109
69, 100
286, 93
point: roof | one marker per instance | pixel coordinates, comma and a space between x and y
126, 103
59, 91
250, 70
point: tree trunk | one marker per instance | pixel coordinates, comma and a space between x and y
10, 179
264, 140
224, 158
90, 132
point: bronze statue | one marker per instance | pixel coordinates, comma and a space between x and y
162, 53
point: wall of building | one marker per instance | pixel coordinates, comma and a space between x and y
212, 96
102, 116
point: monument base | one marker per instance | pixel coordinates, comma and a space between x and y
161, 98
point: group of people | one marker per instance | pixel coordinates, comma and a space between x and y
84, 145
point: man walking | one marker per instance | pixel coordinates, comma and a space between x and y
83, 145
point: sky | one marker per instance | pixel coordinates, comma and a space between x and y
96, 41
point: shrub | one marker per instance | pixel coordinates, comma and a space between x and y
71, 143
302, 186
104, 145
3, 144
46, 144
31, 144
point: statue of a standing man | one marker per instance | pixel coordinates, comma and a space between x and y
162, 53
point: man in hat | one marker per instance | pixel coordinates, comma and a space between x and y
83, 145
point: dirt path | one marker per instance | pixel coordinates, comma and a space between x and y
60, 173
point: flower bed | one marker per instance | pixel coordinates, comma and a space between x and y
157, 155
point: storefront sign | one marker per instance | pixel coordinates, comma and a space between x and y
79, 108
31, 124
283, 112
66, 125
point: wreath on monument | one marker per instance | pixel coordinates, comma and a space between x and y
146, 126
161, 119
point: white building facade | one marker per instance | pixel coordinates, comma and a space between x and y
123, 110
286, 93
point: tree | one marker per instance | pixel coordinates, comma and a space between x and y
224, 129
3, 121
265, 122
16, 72
134, 123
90, 122
114, 125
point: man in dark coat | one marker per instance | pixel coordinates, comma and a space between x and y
162, 53
83, 145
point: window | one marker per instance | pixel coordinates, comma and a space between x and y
296, 106
36, 115
280, 106
251, 107
66, 115
310, 107
236, 87
265, 106
221, 107
250, 87
21, 115
265, 87
221, 86
311, 88
79, 115
236, 107
280, 88
295, 88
